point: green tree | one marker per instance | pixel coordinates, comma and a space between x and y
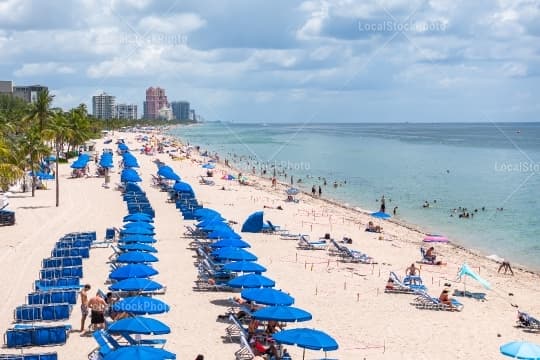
41, 110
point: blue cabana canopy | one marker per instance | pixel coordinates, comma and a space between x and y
133, 257
132, 271
138, 352
129, 175
137, 238
139, 224
138, 217
137, 247
254, 223
244, 266
223, 233
183, 187
281, 313
267, 296
306, 338
234, 254
230, 242
251, 281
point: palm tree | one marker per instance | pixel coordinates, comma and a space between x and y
59, 132
41, 109
35, 148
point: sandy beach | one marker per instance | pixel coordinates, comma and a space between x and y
347, 300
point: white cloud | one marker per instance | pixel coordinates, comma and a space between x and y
173, 24
514, 70
40, 69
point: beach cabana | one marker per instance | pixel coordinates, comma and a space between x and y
244, 266
267, 296
254, 223
233, 254
307, 339
136, 284
129, 175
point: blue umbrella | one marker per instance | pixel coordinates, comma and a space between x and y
205, 212
281, 313
244, 266
223, 233
234, 254
521, 350
44, 176
182, 187
208, 166
137, 231
306, 338
129, 175
251, 281
210, 217
136, 284
138, 217
292, 191
137, 247
380, 215
137, 238
267, 296
123, 146
141, 224
168, 173
140, 305
133, 271
137, 352
230, 242
136, 257
139, 325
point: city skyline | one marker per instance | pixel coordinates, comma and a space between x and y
315, 61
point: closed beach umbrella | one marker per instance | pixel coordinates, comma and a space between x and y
234, 254
133, 271
231, 242
137, 247
138, 217
137, 352
521, 350
136, 257
267, 296
136, 284
137, 238
251, 281
465, 270
205, 212
141, 305
281, 313
139, 325
244, 266
306, 338
380, 215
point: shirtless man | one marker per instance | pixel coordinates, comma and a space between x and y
412, 270
97, 317
84, 305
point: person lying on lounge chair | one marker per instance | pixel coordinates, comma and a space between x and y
372, 228
390, 283
260, 349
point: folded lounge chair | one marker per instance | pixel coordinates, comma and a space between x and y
56, 262
36, 336
43, 356
425, 301
53, 297
61, 272
42, 312
526, 321
57, 284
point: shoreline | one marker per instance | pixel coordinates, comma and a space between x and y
416, 228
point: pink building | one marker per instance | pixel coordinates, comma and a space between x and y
155, 100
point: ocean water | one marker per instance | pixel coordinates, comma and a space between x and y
449, 165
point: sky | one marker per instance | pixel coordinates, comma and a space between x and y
281, 61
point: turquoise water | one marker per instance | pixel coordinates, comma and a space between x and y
467, 165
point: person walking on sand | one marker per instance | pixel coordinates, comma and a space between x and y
97, 317
320, 191
395, 211
383, 204
313, 191
84, 305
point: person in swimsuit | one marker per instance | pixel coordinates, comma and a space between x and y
97, 316
84, 305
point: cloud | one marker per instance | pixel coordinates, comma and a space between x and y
40, 69
172, 24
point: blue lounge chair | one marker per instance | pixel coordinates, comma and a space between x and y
61, 272
36, 336
152, 342
44, 356
425, 301
42, 312
305, 244
56, 262
56, 284
527, 321
410, 285
69, 252
53, 297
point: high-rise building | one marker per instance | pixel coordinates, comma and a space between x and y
103, 106
192, 115
180, 110
6, 87
126, 111
155, 100
28, 93
165, 113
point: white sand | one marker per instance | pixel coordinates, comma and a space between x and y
346, 300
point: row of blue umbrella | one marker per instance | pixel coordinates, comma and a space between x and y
106, 160
168, 173
134, 275
228, 246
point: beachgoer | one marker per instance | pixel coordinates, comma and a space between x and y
395, 211
390, 283
274, 182
84, 305
259, 349
445, 298
272, 326
506, 266
412, 270
97, 317
313, 190
320, 191
430, 256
